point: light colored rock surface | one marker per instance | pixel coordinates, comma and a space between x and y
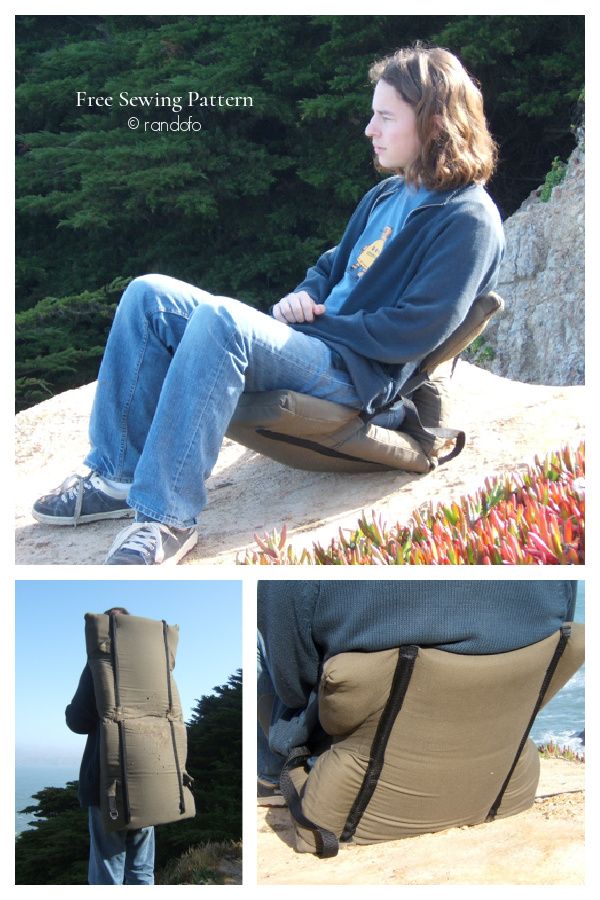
542, 846
507, 424
539, 337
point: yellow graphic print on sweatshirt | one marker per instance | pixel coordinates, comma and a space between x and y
370, 252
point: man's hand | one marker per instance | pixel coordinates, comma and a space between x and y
299, 307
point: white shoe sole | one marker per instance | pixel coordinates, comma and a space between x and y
183, 550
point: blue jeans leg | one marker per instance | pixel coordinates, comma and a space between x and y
176, 362
119, 857
269, 764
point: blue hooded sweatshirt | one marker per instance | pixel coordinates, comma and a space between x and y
305, 623
415, 294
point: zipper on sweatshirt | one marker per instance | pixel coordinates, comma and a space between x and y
388, 193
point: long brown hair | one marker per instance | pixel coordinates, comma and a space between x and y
456, 145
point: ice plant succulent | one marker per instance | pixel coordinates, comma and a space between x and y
533, 517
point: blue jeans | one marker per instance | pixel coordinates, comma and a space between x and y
269, 763
176, 362
271, 752
119, 857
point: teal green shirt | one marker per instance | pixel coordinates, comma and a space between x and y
386, 220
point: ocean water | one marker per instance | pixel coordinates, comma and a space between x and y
30, 779
563, 719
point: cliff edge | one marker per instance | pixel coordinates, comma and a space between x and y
543, 845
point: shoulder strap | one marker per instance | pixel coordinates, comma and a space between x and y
112, 625
565, 634
170, 716
402, 675
326, 841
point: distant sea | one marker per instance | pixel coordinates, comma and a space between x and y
29, 779
561, 721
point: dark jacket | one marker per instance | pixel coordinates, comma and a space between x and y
82, 718
415, 294
304, 623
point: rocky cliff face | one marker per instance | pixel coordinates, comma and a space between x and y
539, 338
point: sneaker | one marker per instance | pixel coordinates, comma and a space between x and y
151, 544
79, 500
268, 794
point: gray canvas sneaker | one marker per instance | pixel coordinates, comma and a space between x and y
151, 544
268, 793
79, 499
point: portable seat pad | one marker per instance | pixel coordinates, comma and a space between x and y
424, 739
143, 739
320, 435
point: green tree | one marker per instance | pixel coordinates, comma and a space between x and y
56, 849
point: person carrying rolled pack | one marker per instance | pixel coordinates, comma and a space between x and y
133, 772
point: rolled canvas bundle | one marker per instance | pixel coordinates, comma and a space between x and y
143, 741
424, 740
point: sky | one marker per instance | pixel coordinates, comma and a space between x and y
50, 649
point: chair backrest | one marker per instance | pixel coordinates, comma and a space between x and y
449, 750
482, 309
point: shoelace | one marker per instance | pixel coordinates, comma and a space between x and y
142, 536
73, 488
74, 485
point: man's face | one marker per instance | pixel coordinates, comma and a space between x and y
393, 128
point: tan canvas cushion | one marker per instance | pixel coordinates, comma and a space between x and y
153, 784
451, 747
321, 436
318, 435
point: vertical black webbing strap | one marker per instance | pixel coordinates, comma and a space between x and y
325, 841
112, 625
565, 634
404, 669
170, 718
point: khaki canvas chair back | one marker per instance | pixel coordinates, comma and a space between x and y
143, 740
424, 740
318, 435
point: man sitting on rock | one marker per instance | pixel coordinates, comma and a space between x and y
418, 249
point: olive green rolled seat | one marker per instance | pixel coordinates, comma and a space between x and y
143, 740
319, 435
423, 740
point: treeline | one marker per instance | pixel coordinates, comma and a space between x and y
56, 850
243, 206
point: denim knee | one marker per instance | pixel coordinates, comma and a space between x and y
216, 317
141, 294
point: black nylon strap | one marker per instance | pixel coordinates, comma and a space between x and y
404, 669
112, 625
565, 634
326, 842
420, 431
413, 418
172, 726
314, 446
